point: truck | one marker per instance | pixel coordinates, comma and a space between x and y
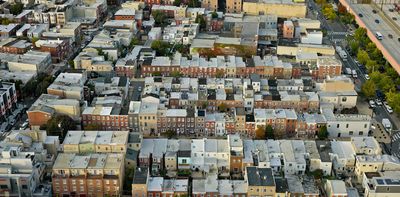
387, 124
354, 73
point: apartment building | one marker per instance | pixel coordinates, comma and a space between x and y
233, 6
9, 30
294, 153
343, 157
260, 181
14, 46
46, 106
327, 66
346, 125
366, 146
25, 155
381, 184
91, 61
68, 86
108, 118
58, 49
375, 163
8, 99
140, 182
211, 5
88, 174
283, 9
31, 61
210, 155
96, 142
336, 188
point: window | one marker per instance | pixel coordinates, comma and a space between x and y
360, 133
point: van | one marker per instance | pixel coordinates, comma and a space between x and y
379, 35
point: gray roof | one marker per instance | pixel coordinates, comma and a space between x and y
260, 176
140, 176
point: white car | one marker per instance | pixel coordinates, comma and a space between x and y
378, 102
372, 104
367, 77
389, 109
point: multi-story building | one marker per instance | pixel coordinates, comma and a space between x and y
31, 61
260, 181
211, 5
58, 49
8, 99
381, 184
336, 188
108, 118
283, 9
88, 174
375, 163
343, 157
46, 106
95, 142
233, 6
346, 125
68, 86
140, 181
25, 156
14, 46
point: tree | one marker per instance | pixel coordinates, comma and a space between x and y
204, 105
92, 127
176, 74
71, 64
201, 21
59, 125
6, 21
269, 132
354, 45
170, 134
371, 65
162, 48
368, 89
260, 133
16, 8
156, 73
320, 2
222, 107
393, 100
214, 15
41, 88
194, 4
159, 17
386, 84
362, 56
323, 133
177, 2
329, 12
219, 74
34, 40
134, 42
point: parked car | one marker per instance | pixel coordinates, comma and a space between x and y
389, 109
376, 21
374, 11
398, 39
360, 15
394, 18
390, 36
378, 102
372, 104
367, 76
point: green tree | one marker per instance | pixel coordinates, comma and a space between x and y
393, 99
204, 105
134, 42
194, 4
92, 127
159, 17
354, 45
176, 74
329, 12
59, 125
214, 15
201, 21
323, 133
170, 134
371, 65
34, 40
177, 2
269, 132
156, 73
16, 8
222, 107
71, 64
368, 89
320, 2
162, 48
6, 21
362, 56
386, 84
